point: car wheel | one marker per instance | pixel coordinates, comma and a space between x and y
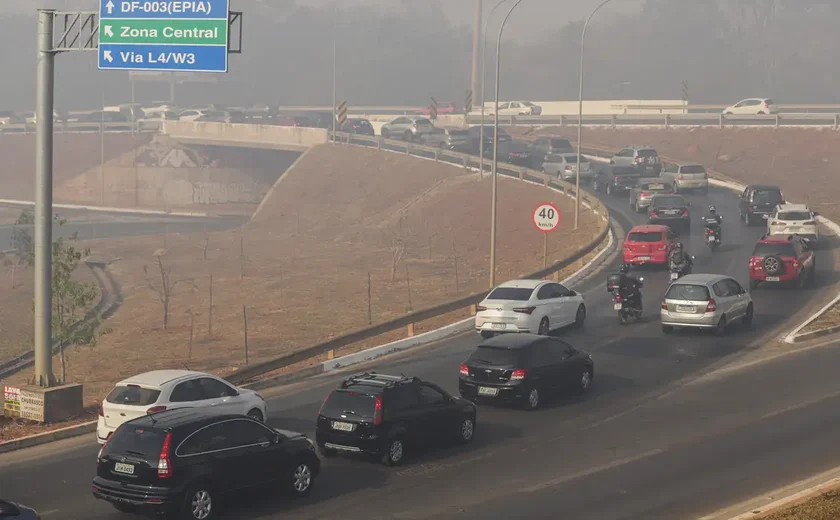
301, 479
486, 334
395, 452
198, 503
748, 316
667, 329
753, 284
580, 315
384, 133
761, 113
586, 379
256, 415
466, 432
532, 400
544, 327
720, 329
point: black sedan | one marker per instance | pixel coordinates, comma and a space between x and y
522, 369
671, 211
518, 154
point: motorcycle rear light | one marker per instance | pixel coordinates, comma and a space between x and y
525, 310
377, 410
685, 212
480, 308
465, 371
518, 375
652, 214
155, 409
712, 306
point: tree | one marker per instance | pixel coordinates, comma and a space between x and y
167, 285
71, 299
22, 241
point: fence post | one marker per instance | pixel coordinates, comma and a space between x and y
777, 120
562, 120
667, 121
836, 121
410, 330
720, 121
331, 354
245, 320
613, 120
473, 310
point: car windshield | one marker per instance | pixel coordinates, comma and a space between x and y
346, 402
695, 168
132, 395
774, 248
494, 356
794, 215
521, 294
136, 440
690, 292
668, 201
645, 236
767, 196
647, 153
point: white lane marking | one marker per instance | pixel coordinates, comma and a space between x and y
804, 404
590, 471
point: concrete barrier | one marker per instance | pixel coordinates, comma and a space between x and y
279, 137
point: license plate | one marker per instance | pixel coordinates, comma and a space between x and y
711, 238
498, 326
617, 306
657, 186
121, 467
685, 308
342, 426
642, 258
671, 212
483, 390
772, 278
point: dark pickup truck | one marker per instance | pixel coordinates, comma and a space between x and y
615, 180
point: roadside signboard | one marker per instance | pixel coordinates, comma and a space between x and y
546, 217
164, 35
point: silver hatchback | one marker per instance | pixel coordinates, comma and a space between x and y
705, 301
407, 128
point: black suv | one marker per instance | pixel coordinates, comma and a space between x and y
521, 368
670, 210
758, 200
385, 416
615, 180
180, 462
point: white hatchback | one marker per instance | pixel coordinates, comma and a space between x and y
793, 219
160, 390
529, 306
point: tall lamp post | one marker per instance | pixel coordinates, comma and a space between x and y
496, 152
580, 113
483, 76
335, 28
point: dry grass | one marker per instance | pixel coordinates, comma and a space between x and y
304, 285
831, 318
823, 507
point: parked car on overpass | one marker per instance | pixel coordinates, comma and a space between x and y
752, 106
517, 108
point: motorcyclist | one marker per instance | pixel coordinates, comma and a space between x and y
713, 221
679, 259
628, 286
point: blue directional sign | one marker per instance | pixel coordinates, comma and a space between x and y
164, 35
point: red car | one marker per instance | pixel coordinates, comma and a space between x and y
443, 109
782, 258
648, 244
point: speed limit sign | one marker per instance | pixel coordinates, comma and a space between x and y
546, 217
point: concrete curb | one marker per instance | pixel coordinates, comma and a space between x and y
46, 437
790, 501
103, 209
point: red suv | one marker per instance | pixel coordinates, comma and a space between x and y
649, 244
780, 258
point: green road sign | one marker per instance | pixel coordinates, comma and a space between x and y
163, 31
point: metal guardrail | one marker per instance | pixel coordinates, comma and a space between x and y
249, 372
84, 126
671, 120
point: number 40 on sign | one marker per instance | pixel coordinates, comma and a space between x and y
546, 217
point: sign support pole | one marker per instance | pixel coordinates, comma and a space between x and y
545, 250
44, 93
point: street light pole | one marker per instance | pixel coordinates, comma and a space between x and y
483, 77
335, 27
580, 113
496, 152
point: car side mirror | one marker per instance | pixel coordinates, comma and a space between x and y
816, 213
765, 217
276, 439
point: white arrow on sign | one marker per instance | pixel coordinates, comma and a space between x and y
108, 31
110, 6
546, 217
107, 56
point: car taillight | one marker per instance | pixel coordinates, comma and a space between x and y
518, 374
101, 412
766, 104
618, 179
377, 410
775, 223
796, 264
663, 247
664, 306
568, 167
155, 409
617, 298
681, 177
711, 307
465, 370
639, 159
685, 212
320, 410
652, 213
525, 310
480, 308
645, 194
164, 463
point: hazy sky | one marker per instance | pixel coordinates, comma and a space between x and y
527, 23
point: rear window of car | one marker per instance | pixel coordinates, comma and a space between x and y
763, 196
528, 103
136, 440
645, 236
422, 121
494, 356
647, 153
794, 215
691, 292
560, 143
510, 293
357, 404
774, 248
696, 168
132, 395
573, 158
668, 201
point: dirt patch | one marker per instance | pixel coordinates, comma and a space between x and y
831, 318
341, 214
16, 428
823, 507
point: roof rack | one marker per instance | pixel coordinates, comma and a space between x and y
374, 378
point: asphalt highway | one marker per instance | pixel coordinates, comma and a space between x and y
653, 439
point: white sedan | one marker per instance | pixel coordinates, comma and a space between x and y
530, 306
793, 219
752, 106
160, 390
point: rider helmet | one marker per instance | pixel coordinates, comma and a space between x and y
624, 268
712, 210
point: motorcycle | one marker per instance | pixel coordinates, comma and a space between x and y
677, 273
624, 307
712, 238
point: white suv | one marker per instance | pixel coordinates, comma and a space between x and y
160, 390
793, 219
